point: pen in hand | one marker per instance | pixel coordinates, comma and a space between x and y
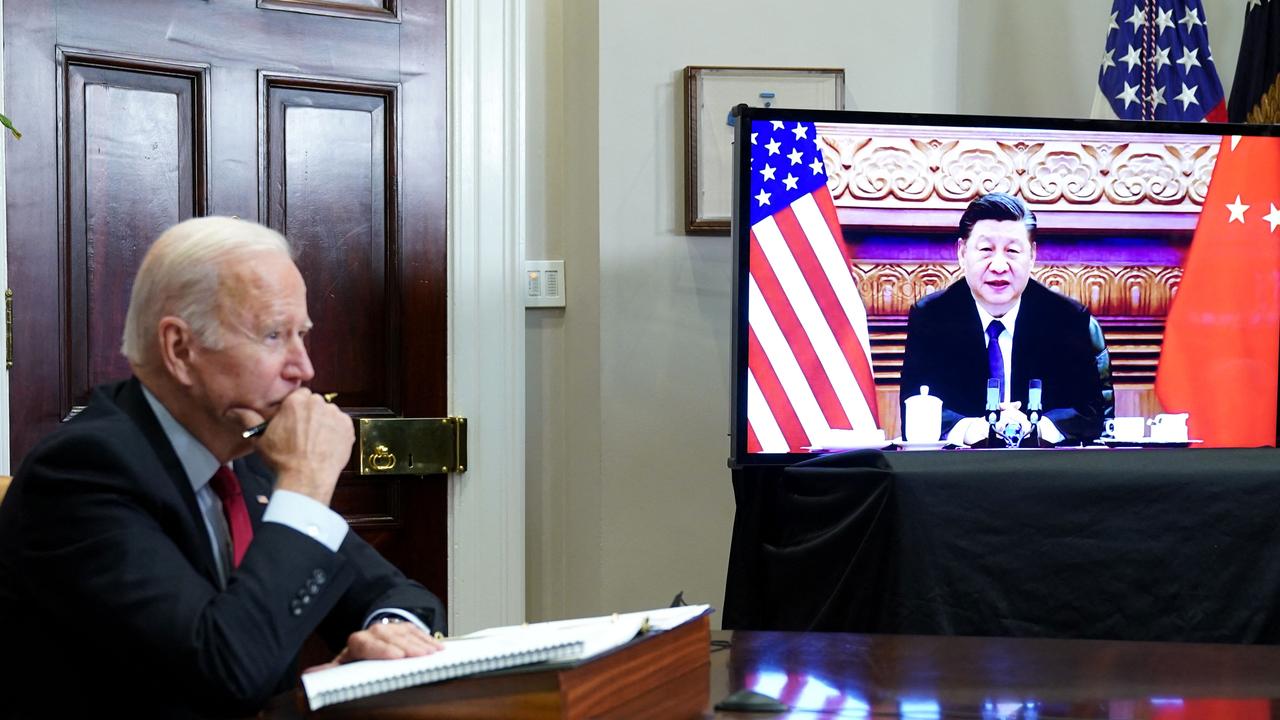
258, 429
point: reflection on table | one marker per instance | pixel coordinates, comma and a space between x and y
927, 677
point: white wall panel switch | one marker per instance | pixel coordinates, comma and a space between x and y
544, 283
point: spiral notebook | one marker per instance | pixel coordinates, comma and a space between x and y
495, 648
459, 657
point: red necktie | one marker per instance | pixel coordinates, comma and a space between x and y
227, 487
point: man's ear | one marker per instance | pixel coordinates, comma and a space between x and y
176, 348
960, 243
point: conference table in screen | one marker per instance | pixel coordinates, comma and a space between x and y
1139, 544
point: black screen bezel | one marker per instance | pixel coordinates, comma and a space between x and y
740, 228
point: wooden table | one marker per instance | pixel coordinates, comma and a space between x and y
830, 675
923, 677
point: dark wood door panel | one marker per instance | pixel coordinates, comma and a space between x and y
133, 149
330, 158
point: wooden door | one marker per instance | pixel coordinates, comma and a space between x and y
325, 120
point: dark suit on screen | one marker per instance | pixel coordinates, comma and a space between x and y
1055, 340
110, 598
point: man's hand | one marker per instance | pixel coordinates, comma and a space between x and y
307, 444
1010, 412
388, 641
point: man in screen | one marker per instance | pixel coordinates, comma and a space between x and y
999, 323
156, 563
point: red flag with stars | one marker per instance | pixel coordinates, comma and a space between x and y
1219, 358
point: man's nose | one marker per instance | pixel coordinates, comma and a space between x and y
999, 263
298, 365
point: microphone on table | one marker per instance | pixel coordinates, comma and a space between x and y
1035, 406
993, 413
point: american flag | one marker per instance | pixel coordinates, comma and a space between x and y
808, 361
1157, 64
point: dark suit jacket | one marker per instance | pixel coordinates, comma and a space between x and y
109, 595
1055, 340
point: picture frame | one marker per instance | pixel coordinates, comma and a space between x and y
711, 92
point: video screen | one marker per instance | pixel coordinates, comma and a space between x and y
948, 282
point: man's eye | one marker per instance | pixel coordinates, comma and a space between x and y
273, 335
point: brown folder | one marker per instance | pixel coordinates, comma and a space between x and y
665, 676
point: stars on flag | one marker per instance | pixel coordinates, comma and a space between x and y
1191, 19
1190, 58
1128, 95
1273, 217
1187, 96
1238, 210
1159, 47
776, 183
1138, 19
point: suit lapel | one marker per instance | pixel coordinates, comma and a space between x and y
967, 337
1027, 342
133, 403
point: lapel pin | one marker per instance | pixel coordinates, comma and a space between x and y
262, 499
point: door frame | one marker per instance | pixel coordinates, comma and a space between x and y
486, 206
4, 275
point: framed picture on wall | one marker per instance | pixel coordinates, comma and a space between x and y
710, 93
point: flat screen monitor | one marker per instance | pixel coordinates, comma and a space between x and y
954, 282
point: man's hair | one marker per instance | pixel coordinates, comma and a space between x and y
997, 206
181, 276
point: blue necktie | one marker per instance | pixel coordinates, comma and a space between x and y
995, 358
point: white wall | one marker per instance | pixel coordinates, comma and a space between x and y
628, 387
1041, 58
629, 499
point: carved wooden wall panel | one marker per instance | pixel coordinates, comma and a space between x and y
330, 150
132, 142
901, 176
1129, 291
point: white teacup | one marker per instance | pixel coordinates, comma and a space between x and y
1169, 427
1128, 429
924, 417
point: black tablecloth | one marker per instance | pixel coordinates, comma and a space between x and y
1120, 544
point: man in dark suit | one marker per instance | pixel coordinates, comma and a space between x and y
155, 562
999, 323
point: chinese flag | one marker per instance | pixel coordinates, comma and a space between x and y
1219, 358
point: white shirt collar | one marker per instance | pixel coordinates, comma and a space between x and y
1009, 319
196, 459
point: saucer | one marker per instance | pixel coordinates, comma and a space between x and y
1147, 442
844, 446
920, 445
